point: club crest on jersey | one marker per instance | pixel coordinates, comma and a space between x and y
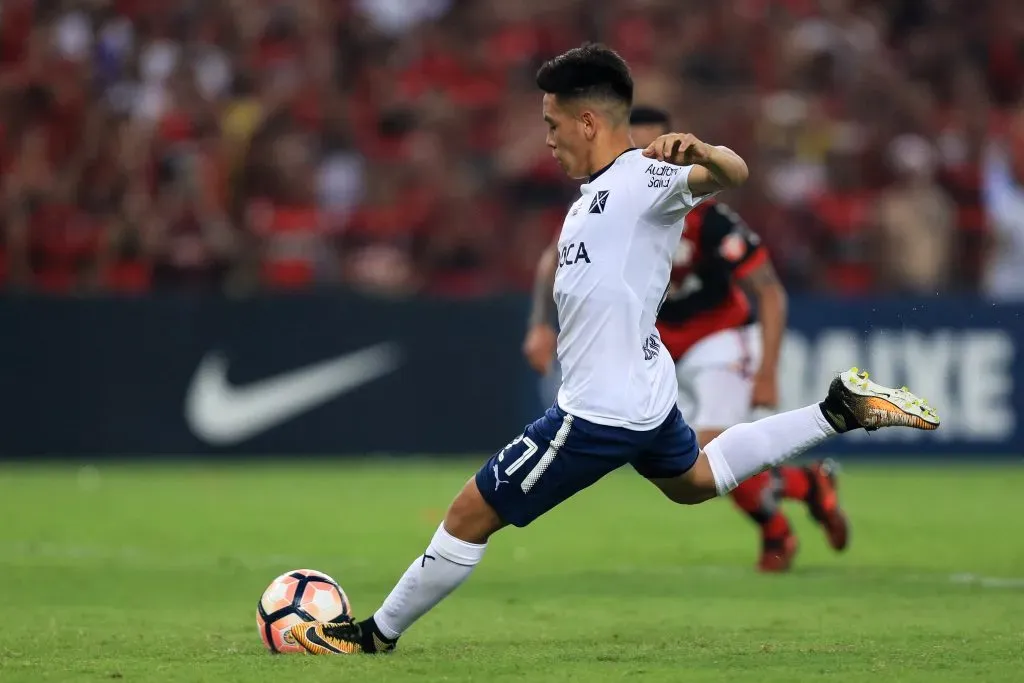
733, 248
597, 204
572, 253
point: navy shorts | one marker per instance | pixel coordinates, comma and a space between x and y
560, 454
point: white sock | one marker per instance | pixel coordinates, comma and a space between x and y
446, 563
743, 450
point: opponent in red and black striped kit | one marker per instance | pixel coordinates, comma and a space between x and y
726, 351
716, 253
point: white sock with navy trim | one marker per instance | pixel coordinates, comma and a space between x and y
743, 450
446, 563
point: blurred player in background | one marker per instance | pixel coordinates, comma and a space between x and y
726, 353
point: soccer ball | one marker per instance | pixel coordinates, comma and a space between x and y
297, 596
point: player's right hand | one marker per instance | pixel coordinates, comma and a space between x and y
539, 347
765, 392
681, 149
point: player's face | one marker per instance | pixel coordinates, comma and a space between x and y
644, 134
565, 137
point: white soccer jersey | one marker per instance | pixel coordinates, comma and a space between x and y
614, 259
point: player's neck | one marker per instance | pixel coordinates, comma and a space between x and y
605, 153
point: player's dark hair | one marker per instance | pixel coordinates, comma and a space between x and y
649, 116
589, 71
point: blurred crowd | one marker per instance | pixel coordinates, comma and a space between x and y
397, 146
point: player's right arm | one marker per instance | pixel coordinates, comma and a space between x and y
729, 239
765, 287
713, 168
687, 171
541, 338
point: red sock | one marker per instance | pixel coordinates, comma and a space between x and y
749, 496
753, 497
776, 527
796, 484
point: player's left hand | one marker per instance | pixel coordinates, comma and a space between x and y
539, 347
681, 149
765, 391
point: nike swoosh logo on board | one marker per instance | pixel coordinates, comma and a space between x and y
222, 414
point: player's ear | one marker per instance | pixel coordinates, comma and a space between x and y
588, 124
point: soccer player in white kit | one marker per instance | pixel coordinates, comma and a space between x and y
726, 356
617, 402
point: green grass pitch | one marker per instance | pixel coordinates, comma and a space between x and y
135, 573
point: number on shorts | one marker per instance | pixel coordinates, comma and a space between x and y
531, 450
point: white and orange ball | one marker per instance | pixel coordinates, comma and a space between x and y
297, 596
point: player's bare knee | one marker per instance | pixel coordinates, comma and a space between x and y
695, 486
683, 493
470, 518
701, 495
693, 495
702, 479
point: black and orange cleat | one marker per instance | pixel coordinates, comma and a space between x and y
855, 402
777, 554
823, 503
345, 638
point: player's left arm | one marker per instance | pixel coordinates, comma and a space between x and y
715, 168
763, 285
541, 338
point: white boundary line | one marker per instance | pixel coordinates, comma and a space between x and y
30, 554
818, 573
